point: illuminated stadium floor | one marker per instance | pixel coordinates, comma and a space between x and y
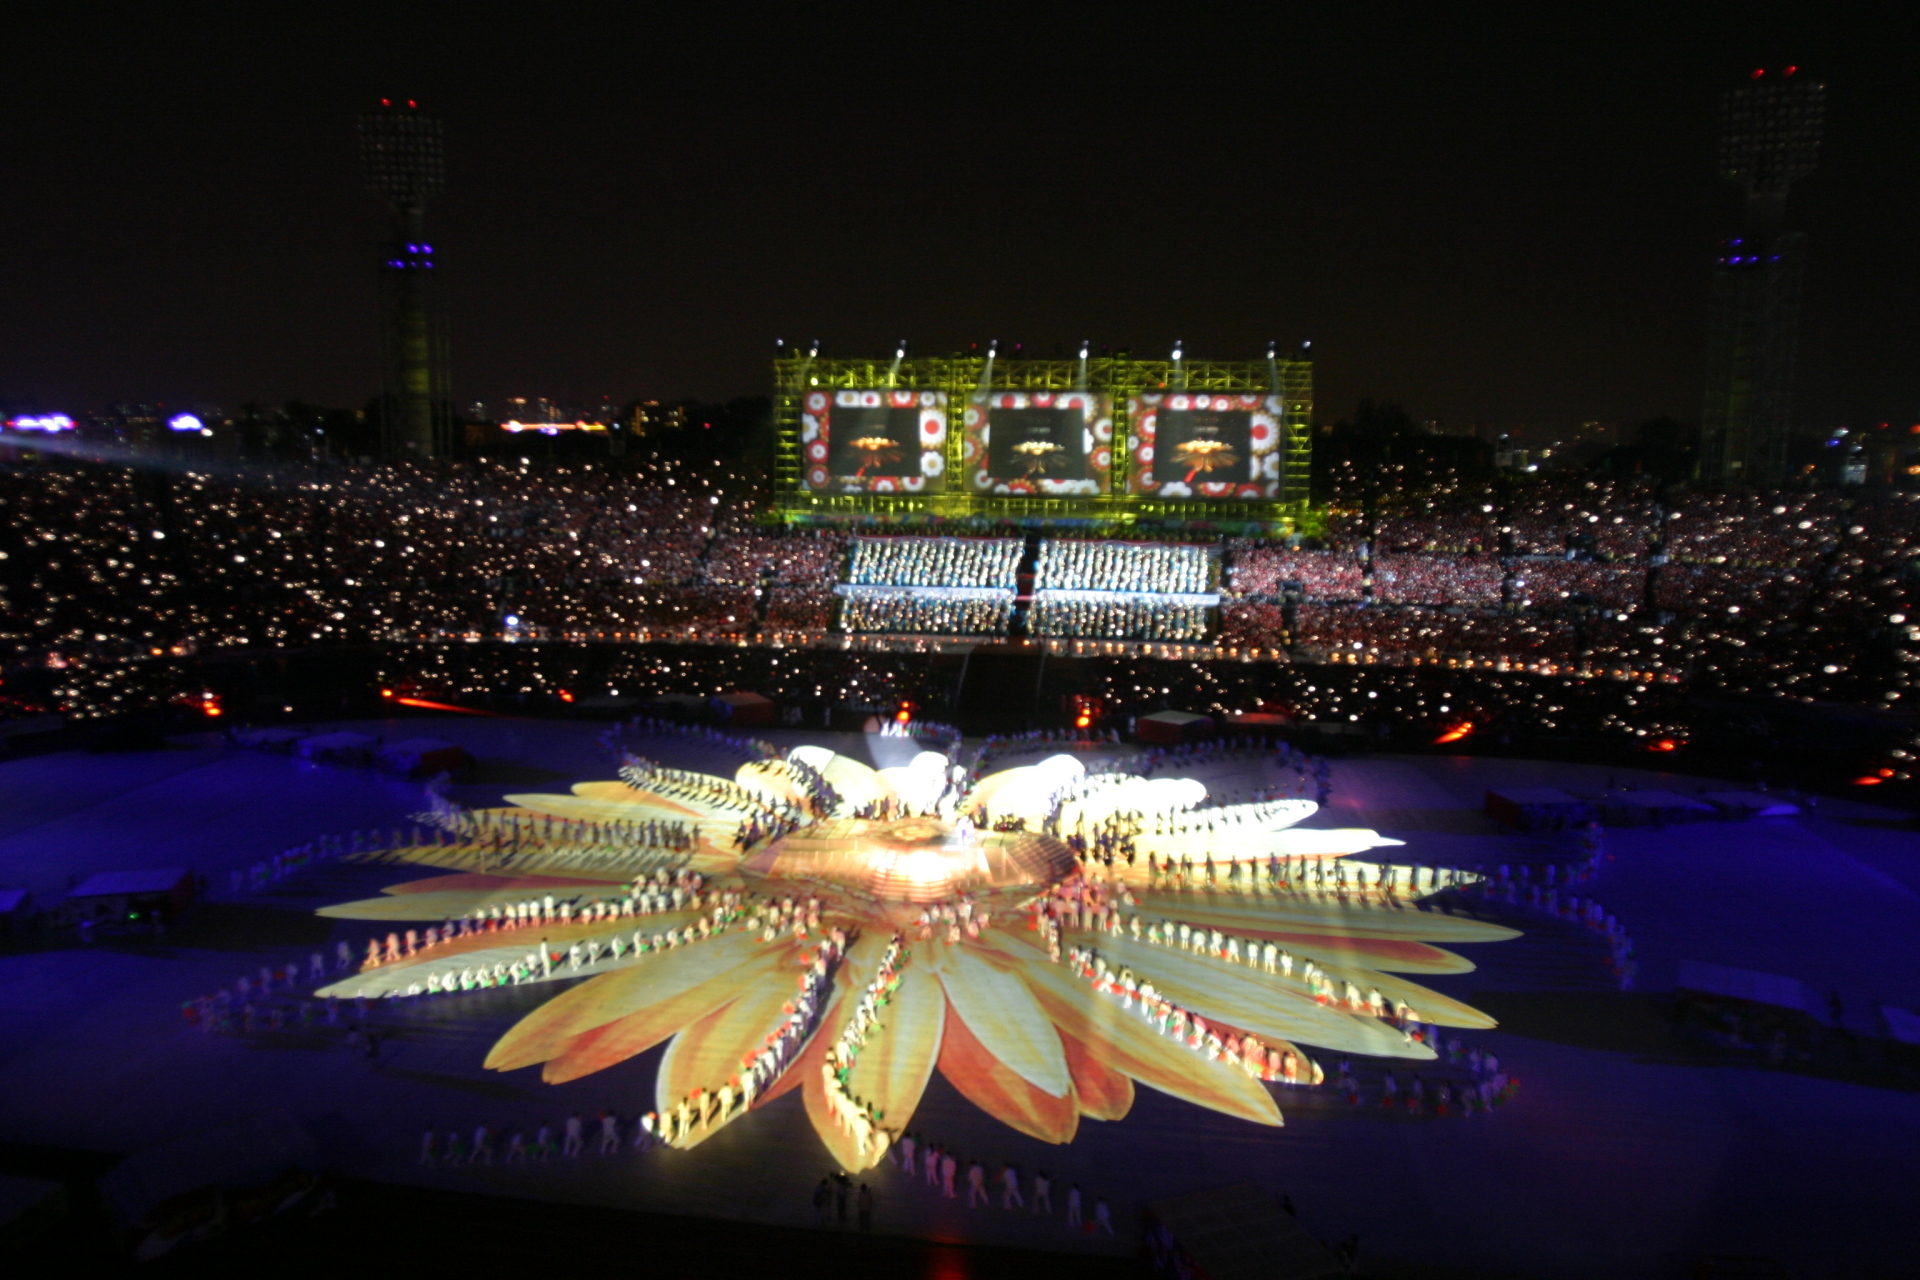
1628, 1151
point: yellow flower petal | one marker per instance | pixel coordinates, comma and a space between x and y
990, 1084
635, 1033
432, 907
893, 1068
1003, 1015
709, 1053
506, 947
1125, 1041
1293, 911
1261, 1003
1430, 1005
648, 982
856, 971
1376, 938
772, 778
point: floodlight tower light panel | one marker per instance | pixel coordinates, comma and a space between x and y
402, 153
1770, 132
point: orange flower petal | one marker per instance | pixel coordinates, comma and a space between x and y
838, 1141
649, 983
1127, 1043
522, 942
893, 1069
709, 1053
856, 971
1265, 1004
1428, 1003
999, 1091
811, 1055
1105, 1094
862, 963
638, 1032
1001, 1013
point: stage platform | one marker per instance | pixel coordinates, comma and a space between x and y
1620, 1118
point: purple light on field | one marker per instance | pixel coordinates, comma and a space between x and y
184, 422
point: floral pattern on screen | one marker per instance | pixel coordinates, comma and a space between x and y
1206, 445
854, 441
1075, 460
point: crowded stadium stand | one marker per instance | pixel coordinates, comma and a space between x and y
949, 611
1143, 568
934, 562
1439, 580
1107, 615
1122, 591
1260, 570
114, 579
930, 586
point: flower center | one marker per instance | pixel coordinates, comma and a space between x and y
913, 859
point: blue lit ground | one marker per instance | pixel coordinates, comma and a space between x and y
1629, 1152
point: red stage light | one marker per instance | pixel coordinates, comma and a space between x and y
1082, 720
386, 693
1868, 781
565, 696
1454, 734
1758, 72
1663, 744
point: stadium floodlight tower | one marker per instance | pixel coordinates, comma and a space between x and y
403, 158
1770, 130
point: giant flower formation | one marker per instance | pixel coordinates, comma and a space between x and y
779, 941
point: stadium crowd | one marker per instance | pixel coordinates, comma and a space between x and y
745, 557
1441, 580
103, 566
1077, 565
1121, 618
934, 562
917, 613
1261, 569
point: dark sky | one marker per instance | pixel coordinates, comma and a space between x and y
1495, 220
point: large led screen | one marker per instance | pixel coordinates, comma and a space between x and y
1040, 442
1206, 446
874, 441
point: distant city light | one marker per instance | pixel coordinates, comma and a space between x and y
47, 422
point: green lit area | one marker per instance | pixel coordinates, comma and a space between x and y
959, 384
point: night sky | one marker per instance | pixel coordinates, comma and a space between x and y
1496, 221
